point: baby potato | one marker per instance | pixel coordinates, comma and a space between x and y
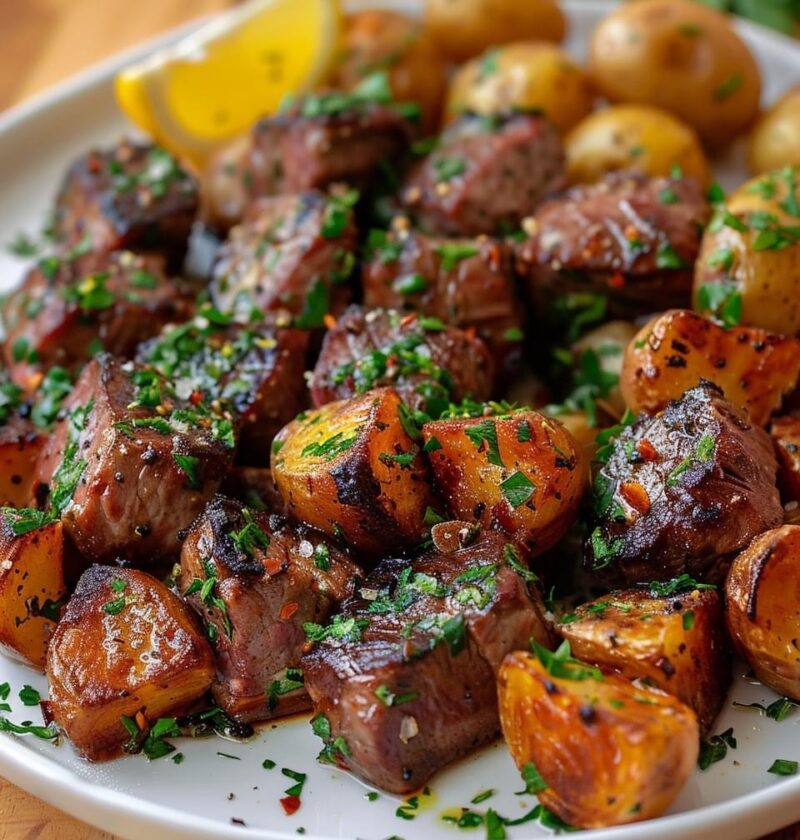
464, 28
672, 636
125, 645
785, 433
775, 138
762, 597
383, 40
31, 583
756, 369
683, 57
351, 470
20, 445
633, 137
526, 76
522, 472
608, 342
747, 267
608, 752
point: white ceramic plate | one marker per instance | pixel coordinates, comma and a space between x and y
199, 798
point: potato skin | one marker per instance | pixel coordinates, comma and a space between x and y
676, 643
766, 280
762, 596
775, 138
610, 753
785, 433
524, 76
104, 662
31, 587
20, 445
465, 28
633, 137
680, 56
380, 39
356, 489
672, 353
540, 459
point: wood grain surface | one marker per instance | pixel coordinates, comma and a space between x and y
45, 41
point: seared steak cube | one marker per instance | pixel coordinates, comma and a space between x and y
428, 364
292, 254
485, 175
255, 371
134, 195
268, 579
403, 679
311, 146
63, 316
683, 491
130, 466
630, 237
463, 282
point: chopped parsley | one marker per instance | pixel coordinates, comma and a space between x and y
452, 253
517, 489
188, 465
330, 448
29, 696
447, 168
532, 778
291, 681
391, 698
783, 767
676, 586
341, 628
715, 748
560, 664
483, 436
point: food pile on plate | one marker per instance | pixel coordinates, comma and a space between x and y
482, 417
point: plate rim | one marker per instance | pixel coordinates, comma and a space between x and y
37, 774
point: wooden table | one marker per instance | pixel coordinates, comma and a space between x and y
45, 41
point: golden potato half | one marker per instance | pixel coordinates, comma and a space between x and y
775, 138
607, 752
351, 470
125, 645
763, 608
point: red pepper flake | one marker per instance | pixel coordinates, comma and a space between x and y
288, 610
273, 565
617, 280
636, 496
290, 805
646, 449
196, 397
329, 321
471, 332
408, 319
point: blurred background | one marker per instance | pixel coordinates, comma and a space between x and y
45, 41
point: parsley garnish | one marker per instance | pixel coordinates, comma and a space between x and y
452, 253
482, 433
715, 748
188, 464
560, 664
517, 489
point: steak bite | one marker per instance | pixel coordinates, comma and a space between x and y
466, 283
485, 175
292, 254
254, 371
62, 315
131, 465
268, 580
133, 195
630, 237
324, 139
403, 679
428, 365
683, 491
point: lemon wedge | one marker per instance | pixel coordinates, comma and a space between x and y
214, 84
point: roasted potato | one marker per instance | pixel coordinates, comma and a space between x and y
607, 751
524, 76
223, 190
762, 594
669, 634
351, 470
680, 56
523, 472
608, 342
126, 645
31, 582
380, 39
756, 369
20, 445
747, 268
775, 138
633, 137
464, 28
785, 432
